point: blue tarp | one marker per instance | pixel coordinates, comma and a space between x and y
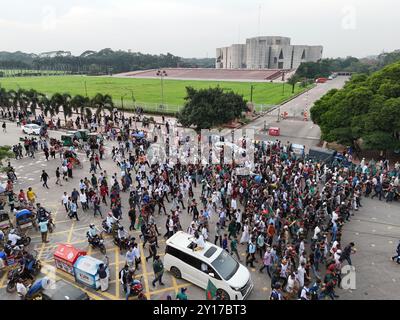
23, 214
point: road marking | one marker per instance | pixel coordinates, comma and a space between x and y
175, 285
70, 232
146, 279
117, 289
170, 288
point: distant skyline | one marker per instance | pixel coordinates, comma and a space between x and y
190, 28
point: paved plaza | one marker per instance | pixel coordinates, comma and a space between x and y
375, 228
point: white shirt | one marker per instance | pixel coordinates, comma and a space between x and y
200, 242
83, 197
13, 238
300, 274
65, 199
21, 289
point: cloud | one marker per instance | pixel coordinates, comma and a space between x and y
196, 28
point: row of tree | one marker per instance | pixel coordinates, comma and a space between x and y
366, 112
31, 100
105, 61
326, 67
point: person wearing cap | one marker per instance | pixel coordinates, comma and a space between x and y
182, 294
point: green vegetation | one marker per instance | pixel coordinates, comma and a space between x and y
208, 108
103, 62
5, 153
31, 100
326, 67
147, 90
365, 112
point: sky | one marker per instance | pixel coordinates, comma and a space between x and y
195, 28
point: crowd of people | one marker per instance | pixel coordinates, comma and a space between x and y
287, 215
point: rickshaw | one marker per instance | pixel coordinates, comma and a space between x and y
25, 219
94, 140
73, 158
82, 134
67, 140
5, 221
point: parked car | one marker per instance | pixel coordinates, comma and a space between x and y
63, 290
31, 129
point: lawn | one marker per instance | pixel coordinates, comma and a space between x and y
147, 92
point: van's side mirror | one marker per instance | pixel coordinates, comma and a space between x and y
211, 274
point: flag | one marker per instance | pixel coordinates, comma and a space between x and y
211, 291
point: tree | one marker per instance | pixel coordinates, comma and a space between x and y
5, 153
207, 108
79, 103
366, 108
59, 100
101, 103
292, 81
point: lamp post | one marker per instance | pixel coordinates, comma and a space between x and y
162, 74
251, 93
86, 89
122, 104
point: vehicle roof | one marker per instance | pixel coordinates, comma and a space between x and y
31, 125
65, 291
182, 240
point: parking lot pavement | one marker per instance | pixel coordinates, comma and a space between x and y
375, 230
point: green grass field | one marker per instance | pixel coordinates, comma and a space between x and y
146, 91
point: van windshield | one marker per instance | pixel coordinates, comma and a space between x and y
225, 265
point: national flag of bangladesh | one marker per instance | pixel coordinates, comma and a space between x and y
211, 291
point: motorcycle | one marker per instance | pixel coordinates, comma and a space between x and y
24, 241
114, 227
136, 287
125, 244
97, 242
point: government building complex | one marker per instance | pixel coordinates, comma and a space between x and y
266, 53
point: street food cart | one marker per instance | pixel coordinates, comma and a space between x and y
65, 257
274, 131
85, 271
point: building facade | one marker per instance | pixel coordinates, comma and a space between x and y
266, 53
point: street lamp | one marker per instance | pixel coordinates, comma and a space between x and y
122, 104
251, 93
162, 74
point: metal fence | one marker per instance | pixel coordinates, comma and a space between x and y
149, 107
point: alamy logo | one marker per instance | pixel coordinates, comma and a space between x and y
348, 278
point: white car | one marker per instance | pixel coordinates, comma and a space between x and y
210, 263
31, 129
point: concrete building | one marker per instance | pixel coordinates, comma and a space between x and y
266, 53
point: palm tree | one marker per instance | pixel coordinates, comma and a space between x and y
79, 103
101, 103
33, 100
45, 105
5, 99
62, 100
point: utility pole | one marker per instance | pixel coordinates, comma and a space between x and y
86, 89
251, 93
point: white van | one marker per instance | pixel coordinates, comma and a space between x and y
211, 263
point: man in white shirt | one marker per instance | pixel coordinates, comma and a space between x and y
64, 201
301, 271
13, 238
21, 289
83, 200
